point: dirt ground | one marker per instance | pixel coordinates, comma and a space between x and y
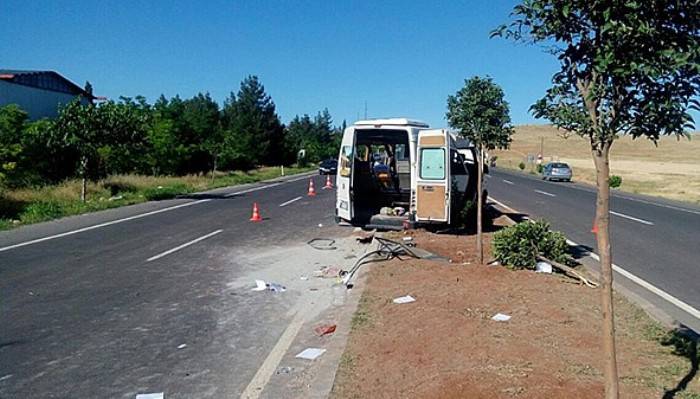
445, 345
669, 169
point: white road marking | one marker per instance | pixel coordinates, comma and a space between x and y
622, 215
545, 193
139, 216
97, 226
502, 205
290, 201
507, 182
185, 245
261, 378
643, 283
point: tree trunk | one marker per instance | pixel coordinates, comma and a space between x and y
602, 220
213, 170
83, 175
479, 205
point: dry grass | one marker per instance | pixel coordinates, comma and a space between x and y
36, 204
671, 169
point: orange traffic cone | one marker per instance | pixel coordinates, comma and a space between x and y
594, 230
312, 191
329, 183
256, 213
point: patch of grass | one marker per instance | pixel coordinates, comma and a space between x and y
38, 204
362, 316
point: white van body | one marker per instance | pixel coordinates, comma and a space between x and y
400, 163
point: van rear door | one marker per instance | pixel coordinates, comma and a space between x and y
343, 180
433, 176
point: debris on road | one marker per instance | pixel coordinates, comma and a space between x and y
329, 272
501, 317
322, 244
183, 346
310, 353
404, 299
284, 370
261, 285
158, 395
324, 329
543, 267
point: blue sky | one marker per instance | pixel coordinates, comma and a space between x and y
403, 58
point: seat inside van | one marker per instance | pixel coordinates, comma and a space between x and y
381, 172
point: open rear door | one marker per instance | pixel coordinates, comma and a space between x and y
433, 176
343, 181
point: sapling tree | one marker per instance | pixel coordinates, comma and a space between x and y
480, 113
626, 67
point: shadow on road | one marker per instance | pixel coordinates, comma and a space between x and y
685, 343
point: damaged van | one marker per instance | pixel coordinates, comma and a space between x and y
394, 172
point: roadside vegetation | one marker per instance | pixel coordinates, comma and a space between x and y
115, 153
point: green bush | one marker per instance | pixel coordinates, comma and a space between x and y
615, 181
163, 193
521, 165
40, 211
516, 246
540, 168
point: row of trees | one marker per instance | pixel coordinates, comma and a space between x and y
170, 137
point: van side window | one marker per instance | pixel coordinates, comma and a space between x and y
457, 167
345, 160
432, 163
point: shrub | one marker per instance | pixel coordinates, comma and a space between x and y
40, 211
163, 193
615, 181
540, 168
521, 165
517, 246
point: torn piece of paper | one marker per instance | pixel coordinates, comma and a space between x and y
500, 317
158, 395
404, 299
310, 353
259, 285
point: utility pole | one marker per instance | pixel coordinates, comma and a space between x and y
542, 147
365, 109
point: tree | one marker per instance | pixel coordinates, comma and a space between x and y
625, 68
12, 122
481, 114
253, 127
88, 87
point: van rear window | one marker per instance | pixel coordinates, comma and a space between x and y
432, 163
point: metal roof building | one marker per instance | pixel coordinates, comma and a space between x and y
39, 93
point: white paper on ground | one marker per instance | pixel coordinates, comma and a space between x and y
259, 286
543, 267
500, 317
158, 395
404, 299
310, 353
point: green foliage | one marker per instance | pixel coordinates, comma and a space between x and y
517, 246
163, 193
41, 211
317, 137
12, 121
626, 67
480, 113
521, 165
540, 168
615, 181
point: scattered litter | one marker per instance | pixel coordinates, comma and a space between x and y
399, 211
357, 229
329, 272
323, 244
365, 239
310, 353
494, 263
183, 346
259, 286
409, 238
404, 299
320, 225
543, 267
158, 395
284, 370
6, 377
303, 278
159, 187
274, 287
324, 329
500, 317
386, 211
116, 197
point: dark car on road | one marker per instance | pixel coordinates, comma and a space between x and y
557, 171
328, 167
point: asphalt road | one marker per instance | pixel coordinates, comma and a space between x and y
111, 311
654, 239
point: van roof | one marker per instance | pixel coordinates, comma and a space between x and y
392, 122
